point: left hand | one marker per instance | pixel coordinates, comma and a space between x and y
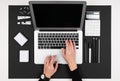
49, 68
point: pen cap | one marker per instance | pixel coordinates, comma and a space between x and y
89, 45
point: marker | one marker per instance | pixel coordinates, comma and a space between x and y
86, 52
90, 52
93, 50
98, 50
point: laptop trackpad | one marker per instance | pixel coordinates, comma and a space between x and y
41, 54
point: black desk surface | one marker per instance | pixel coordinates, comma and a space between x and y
30, 70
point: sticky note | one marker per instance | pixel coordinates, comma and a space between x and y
20, 39
24, 56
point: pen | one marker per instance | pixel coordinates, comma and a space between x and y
93, 50
90, 52
99, 51
86, 51
96, 50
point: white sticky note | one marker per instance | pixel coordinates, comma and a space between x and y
24, 56
20, 39
92, 27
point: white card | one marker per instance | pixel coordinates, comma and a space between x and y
24, 56
21, 39
92, 27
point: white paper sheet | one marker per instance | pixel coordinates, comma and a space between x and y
92, 27
24, 56
20, 39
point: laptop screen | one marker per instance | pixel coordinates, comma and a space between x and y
57, 15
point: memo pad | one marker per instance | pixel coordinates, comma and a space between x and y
20, 39
92, 27
92, 23
24, 56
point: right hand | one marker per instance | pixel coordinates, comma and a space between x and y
69, 54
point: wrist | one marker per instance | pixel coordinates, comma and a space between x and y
44, 78
47, 76
72, 66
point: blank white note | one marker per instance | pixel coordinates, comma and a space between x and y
92, 27
20, 39
24, 56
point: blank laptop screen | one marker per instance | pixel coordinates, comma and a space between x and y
57, 15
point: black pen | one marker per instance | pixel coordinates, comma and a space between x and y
93, 50
99, 51
86, 51
96, 50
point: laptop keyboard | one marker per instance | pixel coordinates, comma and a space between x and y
56, 40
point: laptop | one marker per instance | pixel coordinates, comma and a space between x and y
54, 22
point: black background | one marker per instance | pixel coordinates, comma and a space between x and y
30, 70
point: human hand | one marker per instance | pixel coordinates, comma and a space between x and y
49, 68
69, 54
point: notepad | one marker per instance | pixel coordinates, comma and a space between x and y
92, 27
20, 39
24, 56
92, 23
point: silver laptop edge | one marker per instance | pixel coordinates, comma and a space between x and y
58, 2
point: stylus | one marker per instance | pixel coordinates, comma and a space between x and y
93, 50
96, 50
86, 54
99, 51
90, 51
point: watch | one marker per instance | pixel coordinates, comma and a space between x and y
43, 77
